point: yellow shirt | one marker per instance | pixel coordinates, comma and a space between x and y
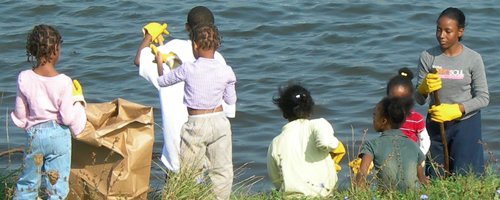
298, 160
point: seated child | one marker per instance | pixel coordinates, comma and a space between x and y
298, 159
397, 159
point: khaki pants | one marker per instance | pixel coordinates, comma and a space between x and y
207, 137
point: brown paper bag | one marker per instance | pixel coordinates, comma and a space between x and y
111, 158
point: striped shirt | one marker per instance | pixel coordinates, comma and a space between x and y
414, 124
207, 81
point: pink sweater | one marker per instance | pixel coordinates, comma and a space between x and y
40, 99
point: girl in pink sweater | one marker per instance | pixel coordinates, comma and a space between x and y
48, 109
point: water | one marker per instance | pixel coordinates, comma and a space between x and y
343, 52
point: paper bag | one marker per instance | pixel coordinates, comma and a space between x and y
111, 158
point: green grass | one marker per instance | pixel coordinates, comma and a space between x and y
467, 186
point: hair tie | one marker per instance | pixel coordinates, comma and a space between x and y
404, 74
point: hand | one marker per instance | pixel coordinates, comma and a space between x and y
171, 59
337, 154
156, 30
355, 165
431, 83
445, 112
78, 93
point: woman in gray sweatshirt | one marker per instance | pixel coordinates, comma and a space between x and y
461, 85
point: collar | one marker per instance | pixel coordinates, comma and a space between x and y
393, 132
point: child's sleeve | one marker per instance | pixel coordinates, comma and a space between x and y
424, 141
229, 95
368, 148
72, 113
273, 169
173, 76
323, 132
20, 114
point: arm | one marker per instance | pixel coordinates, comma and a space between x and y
423, 70
480, 96
273, 169
424, 141
145, 43
173, 77
360, 180
229, 95
421, 177
159, 63
324, 135
20, 114
72, 113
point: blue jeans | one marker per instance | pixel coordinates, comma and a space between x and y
47, 155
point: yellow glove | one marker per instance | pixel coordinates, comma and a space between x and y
156, 30
171, 59
78, 93
445, 112
356, 163
337, 154
431, 83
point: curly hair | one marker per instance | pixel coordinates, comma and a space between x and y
294, 101
206, 36
40, 44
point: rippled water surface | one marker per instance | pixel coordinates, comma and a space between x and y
343, 52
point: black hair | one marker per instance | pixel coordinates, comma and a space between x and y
199, 15
403, 78
294, 101
206, 36
41, 42
455, 14
394, 110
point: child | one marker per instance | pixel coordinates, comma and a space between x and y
207, 133
463, 91
298, 159
414, 125
174, 113
397, 160
46, 109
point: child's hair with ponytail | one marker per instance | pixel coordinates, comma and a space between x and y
294, 101
41, 43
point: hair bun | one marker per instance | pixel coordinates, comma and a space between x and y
405, 72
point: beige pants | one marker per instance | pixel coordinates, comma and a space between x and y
207, 137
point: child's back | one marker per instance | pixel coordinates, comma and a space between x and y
46, 109
42, 99
395, 158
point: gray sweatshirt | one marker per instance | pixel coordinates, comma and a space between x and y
463, 79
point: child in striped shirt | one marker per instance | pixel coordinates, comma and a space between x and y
207, 133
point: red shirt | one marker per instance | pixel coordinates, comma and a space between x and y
414, 124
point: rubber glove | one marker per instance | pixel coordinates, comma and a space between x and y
156, 30
431, 83
171, 59
337, 154
445, 112
78, 93
356, 163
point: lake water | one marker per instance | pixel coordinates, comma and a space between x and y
343, 52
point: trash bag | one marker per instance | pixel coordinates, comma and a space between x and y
111, 158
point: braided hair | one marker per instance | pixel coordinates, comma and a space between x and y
41, 44
295, 102
206, 36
